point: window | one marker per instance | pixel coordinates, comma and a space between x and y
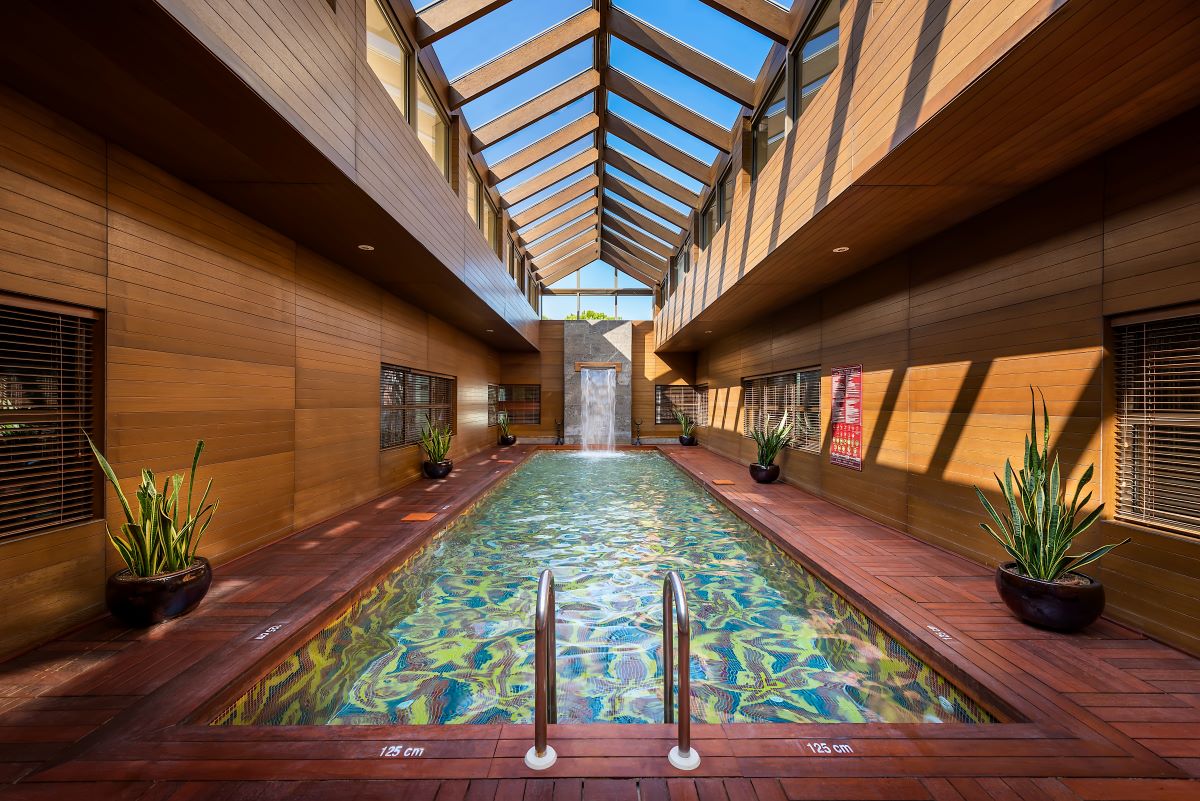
474, 191
692, 401
709, 221
432, 128
491, 224
48, 392
409, 401
770, 126
725, 190
388, 56
522, 403
1158, 422
796, 394
816, 57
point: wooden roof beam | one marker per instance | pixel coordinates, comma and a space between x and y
634, 234
568, 264
656, 103
640, 272
544, 246
661, 149
542, 180
548, 146
572, 212
613, 209
633, 250
568, 194
766, 18
650, 204
524, 57
536, 109
681, 56
568, 247
630, 166
446, 17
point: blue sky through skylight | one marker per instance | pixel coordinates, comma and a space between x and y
540, 129
668, 81
501, 30
533, 200
524, 88
649, 190
647, 160
671, 134
553, 160
705, 29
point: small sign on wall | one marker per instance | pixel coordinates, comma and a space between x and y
845, 448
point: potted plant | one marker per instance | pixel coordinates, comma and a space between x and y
163, 577
435, 441
1041, 585
687, 428
770, 442
507, 438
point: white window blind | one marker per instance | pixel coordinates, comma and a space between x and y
1158, 422
47, 402
409, 401
797, 394
692, 401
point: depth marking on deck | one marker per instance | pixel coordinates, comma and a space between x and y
823, 748
941, 635
401, 750
268, 631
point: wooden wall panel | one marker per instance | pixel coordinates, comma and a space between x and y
954, 332
216, 327
544, 368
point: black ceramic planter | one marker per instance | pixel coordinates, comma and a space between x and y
1049, 604
506, 441
764, 475
142, 602
437, 469
689, 440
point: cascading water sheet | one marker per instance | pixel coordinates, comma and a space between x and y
599, 419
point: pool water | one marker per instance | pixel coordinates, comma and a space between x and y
447, 637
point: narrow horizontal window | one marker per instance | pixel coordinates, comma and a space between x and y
409, 401
690, 400
1158, 422
522, 403
48, 401
797, 394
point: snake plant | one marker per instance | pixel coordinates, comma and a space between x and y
163, 536
504, 422
1039, 526
435, 440
771, 441
686, 424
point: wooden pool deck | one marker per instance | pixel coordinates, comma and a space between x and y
106, 713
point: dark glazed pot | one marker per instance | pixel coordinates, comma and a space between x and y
142, 602
764, 475
1049, 604
689, 440
506, 441
436, 469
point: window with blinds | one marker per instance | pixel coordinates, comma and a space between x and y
409, 401
692, 401
522, 402
48, 392
797, 394
1158, 422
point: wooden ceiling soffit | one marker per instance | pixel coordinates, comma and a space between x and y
660, 249
649, 99
572, 212
630, 166
544, 246
766, 18
547, 146
568, 194
542, 180
650, 204
524, 57
633, 250
681, 56
613, 208
566, 266
447, 16
660, 149
539, 108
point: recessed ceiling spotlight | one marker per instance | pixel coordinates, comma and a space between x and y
708, 332
842, 249
488, 331
366, 247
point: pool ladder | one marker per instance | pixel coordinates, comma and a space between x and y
676, 621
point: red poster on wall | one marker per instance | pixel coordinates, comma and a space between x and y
845, 449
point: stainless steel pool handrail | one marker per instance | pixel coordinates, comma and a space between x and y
545, 690
675, 616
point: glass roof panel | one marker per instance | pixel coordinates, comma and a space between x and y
551, 161
567, 282
672, 83
629, 282
533, 200
639, 229
671, 134
705, 29
609, 197
540, 129
570, 202
502, 30
649, 190
597, 275
527, 86
647, 160
562, 227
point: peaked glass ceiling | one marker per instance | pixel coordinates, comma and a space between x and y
676, 77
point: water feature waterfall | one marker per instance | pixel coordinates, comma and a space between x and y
598, 423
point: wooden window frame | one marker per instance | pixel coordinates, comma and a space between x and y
410, 69
442, 115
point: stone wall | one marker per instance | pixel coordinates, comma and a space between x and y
604, 341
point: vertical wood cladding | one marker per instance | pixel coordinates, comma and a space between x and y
219, 328
953, 333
